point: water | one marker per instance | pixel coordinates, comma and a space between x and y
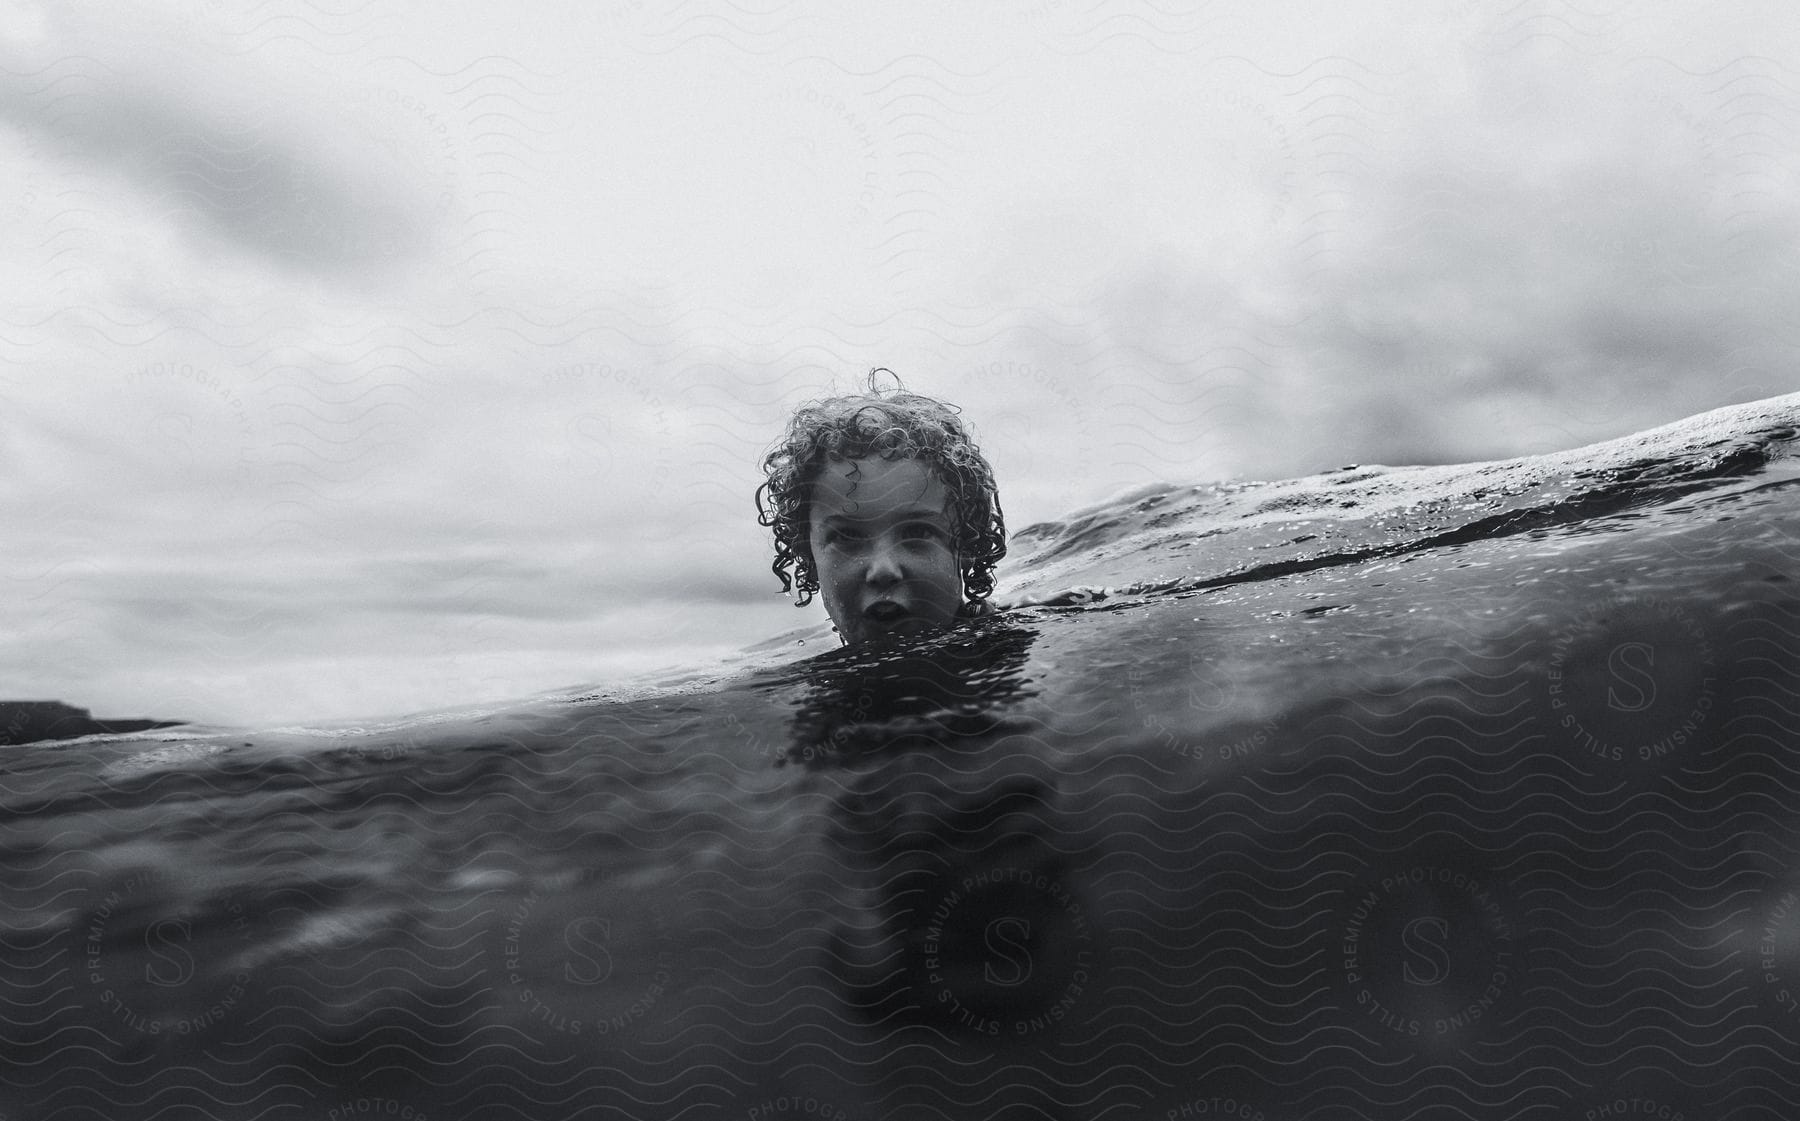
1462, 791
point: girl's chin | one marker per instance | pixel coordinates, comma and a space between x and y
876, 630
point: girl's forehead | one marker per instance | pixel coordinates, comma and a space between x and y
874, 485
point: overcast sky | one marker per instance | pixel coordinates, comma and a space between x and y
371, 357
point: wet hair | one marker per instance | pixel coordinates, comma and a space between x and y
893, 424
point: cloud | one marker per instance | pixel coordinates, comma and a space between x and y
1533, 261
251, 159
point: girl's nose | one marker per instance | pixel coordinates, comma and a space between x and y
884, 569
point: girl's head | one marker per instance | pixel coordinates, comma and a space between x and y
882, 502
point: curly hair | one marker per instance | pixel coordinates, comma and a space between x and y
892, 424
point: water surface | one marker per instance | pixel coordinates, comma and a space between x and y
1462, 791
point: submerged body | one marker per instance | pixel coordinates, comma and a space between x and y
1386, 792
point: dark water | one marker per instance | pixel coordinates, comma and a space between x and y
1430, 792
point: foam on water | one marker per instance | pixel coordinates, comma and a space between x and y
1179, 538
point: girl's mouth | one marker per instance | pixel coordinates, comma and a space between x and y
885, 611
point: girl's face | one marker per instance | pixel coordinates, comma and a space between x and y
884, 547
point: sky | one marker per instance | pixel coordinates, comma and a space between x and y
366, 357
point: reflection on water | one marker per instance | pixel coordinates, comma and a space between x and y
861, 704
